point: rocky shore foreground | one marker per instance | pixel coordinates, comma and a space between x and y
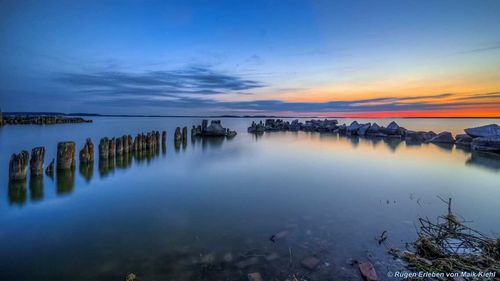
484, 138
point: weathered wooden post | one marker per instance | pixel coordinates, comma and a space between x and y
164, 137
36, 161
49, 171
87, 152
65, 155
112, 148
104, 148
177, 135
184, 134
18, 166
119, 146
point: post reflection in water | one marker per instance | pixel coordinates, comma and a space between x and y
36, 187
86, 170
65, 181
17, 192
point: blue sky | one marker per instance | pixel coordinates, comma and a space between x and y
233, 57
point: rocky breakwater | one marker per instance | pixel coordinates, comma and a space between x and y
215, 129
485, 138
40, 120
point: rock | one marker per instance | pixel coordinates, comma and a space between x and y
18, 166
104, 148
255, 276
208, 259
463, 140
363, 129
428, 135
177, 134
352, 129
392, 129
487, 144
412, 136
310, 263
374, 129
248, 262
279, 235
36, 161
272, 256
65, 155
484, 131
443, 137
256, 128
49, 171
131, 277
230, 134
228, 257
214, 130
368, 271
87, 152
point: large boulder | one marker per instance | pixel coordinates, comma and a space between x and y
427, 136
443, 137
352, 129
363, 129
488, 144
374, 129
214, 130
484, 131
412, 136
392, 128
463, 140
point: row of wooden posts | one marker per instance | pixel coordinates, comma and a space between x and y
108, 149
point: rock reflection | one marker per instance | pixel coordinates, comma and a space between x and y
65, 181
484, 160
392, 143
36, 188
17, 192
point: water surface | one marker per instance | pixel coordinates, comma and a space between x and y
176, 215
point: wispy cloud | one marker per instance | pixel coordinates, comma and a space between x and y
193, 80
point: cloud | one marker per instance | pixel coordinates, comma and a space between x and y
193, 80
361, 105
492, 47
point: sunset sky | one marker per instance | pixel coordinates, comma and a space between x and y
288, 58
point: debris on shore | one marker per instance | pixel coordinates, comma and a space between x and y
448, 245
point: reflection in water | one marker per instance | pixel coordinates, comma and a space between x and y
86, 170
392, 143
36, 187
485, 160
177, 145
447, 147
65, 181
354, 140
17, 192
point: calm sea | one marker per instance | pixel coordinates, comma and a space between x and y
197, 211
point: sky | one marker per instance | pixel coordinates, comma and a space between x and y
289, 58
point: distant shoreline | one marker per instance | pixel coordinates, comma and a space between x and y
219, 116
